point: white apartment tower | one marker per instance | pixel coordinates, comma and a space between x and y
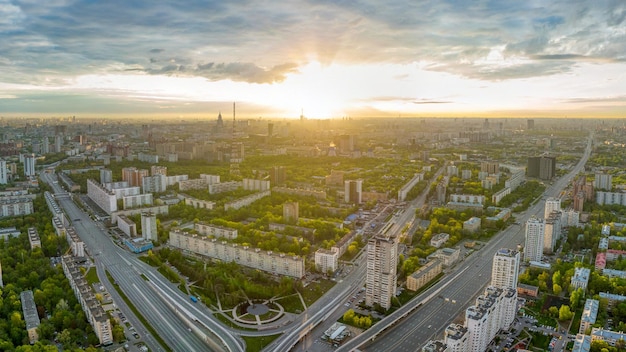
505, 268
149, 226
382, 260
603, 181
29, 165
533, 248
552, 204
4, 172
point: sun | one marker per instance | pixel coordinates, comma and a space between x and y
314, 93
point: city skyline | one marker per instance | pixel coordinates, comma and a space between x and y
319, 59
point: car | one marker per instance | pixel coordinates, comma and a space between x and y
347, 304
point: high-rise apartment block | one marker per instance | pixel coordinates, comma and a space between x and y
543, 167
291, 212
278, 175
533, 248
382, 260
154, 184
158, 170
552, 231
4, 173
490, 167
494, 310
603, 181
29, 165
134, 176
106, 176
552, 204
149, 226
353, 191
505, 268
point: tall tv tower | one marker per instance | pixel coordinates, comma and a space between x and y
236, 150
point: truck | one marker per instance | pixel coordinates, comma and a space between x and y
194, 299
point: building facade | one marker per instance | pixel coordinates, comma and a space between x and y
424, 275
505, 268
273, 263
381, 279
533, 247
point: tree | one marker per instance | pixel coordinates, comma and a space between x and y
556, 288
118, 333
348, 315
554, 311
565, 313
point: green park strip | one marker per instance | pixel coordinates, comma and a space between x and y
256, 344
137, 314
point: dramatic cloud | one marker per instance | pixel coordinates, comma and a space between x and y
49, 45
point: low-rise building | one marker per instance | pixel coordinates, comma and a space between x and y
31, 317
216, 231
590, 313
95, 314
580, 278
423, 275
472, 225
326, 261
448, 256
33, 238
274, 263
439, 239
582, 343
527, 290
127, 226
610, 337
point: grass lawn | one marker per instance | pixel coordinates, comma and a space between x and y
256, 344
314, 291
92, 276
540, 341
291, 303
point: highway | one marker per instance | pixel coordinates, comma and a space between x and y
182, 324
442, 303
329, 308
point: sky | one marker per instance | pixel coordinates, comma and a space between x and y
319, 58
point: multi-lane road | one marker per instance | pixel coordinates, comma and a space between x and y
186, 326
183, 325
437, 307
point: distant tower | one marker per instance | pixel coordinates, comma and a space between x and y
4, 173
220, 122
290, 212
353, 191
236, 150
530, 124
45, 145
278, 175
29, 165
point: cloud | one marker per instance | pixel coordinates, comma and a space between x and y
428, 101
49, 44
236, 71
621, 100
